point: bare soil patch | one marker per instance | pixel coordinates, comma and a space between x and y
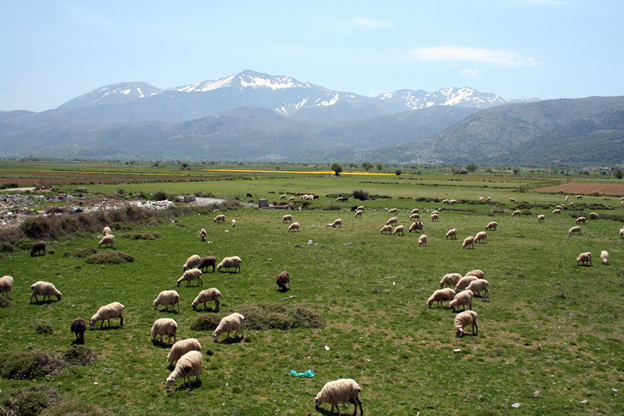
586, 188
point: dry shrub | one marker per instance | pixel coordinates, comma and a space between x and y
29, 401
143, 235
84, 252
75, 409
110, 257
79, 355
30, 364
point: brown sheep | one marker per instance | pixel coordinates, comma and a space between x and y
283, 281
78, 327
38, 248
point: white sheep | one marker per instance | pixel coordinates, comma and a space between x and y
593, 216
556, 211
604, 256
622, 232
489, 198
462, 299
580, 220
451, 233
434, 216
464, 319
491, 226
230, 323
452, 202
292, 198
476, 272
422, 240
386, 229
399, 230
6, 285
45, 289
440, 296
294, 226
341, 391
287, 218
107, 240
516, 213
219, 218
393, 220
229, 262
468, 241
203, 234
559, 207
575, 229
164, 326
233, 223
415, 211
190, 364
106, 312
358, 213
414, 216
282, 197
192, 274
464, 282
481, 237
166, 298
337, 223
191, 262
416, 226
393, 211
450, 279
361, 208
207, 295
566, 198
541, 218
182, 347
579, 197
584, 258
478, 285
106, 231
481, 199
512, 200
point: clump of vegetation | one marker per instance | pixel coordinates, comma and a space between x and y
160, 196
206, 323
110, 257
29, 401
42, 328
4, 302
362, 195
30, 364
84, 252
79, 355
143, 235
75, 409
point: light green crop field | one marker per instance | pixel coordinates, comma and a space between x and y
548, 325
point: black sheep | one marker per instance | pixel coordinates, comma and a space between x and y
37, 248
207, 262
283, 281
79, 327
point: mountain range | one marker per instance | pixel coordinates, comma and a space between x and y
254, 116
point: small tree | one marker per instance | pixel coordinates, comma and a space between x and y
618, 173
353, 165
367, 166
379, 166
471, 167
397, 172
337, 168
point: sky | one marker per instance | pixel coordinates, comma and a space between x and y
53, 51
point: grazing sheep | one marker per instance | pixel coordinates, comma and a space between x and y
434, 216
45, 289
192, 274
489, 198
566, 198
283, 197
440, 296
164, 326
462, 299
464, 319
386, 229
78, 327
182, 347
294, 226
341, 391
516, 213
358, 213
464, 282
283, 281
450, 279
476, 272
556, 211
230, 323
207, 262
416, 226
579, 197
207, 295
393, 220
476, 286
445, 201
287, 219
580, 220
107, 240
481, 237
593, 216
481, 199
337, 223
451, 233
106, 231
219, 218
512, 200
37, 248
233, 223
342, 199
468, 241
203, 234
541, 218
229, 262
604, 256
415, 211
422, 241
571, 204
167, 297
584, 258
105, 313
292, 198
573, 230
6, 285
360, 208
622, 232
491, 226
191, 262
393, 211
399, 229
452, 202
414, 216
559, 207
190, 364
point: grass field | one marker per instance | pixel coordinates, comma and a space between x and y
548, 326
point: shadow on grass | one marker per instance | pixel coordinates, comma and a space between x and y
206, 310
78, 342
232, 340
194, 384
107, 328
160, 344
168, 311
43, 302
326, 412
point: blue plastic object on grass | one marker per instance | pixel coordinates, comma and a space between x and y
308, 373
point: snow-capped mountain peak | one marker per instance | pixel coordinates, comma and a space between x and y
114, 94
245, 79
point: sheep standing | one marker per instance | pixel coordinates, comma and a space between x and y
462, 299
166, 298
294, 226
230, 262
593, 216
440, 296
164, 326
190, 364
399, 230
230, 323
337, 223
584, 258
451, 233
37, 248
468, 241
393, 220
489, 198
6, 285
341, 391
556, 211
491, 226
541, 218
604, 256
106, 231
422, 241
233, 223
450, 279
282, 197
580, 220
358, 213
478, 273
191, 262
105, 313
622, 232
287, 219
182, 347
203, 234
78, 327
107, 240
207, 262
45, 289
579, 197
478, 285
283, 280
189, 275
512, 200
417, 226
414, 216
434, 216
464, 319
481, 237
219, 218
516, 213
575, 229
393, 211
415, 211
464, 282
386, 229
207, 295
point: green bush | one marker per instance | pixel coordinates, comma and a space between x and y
29, 364
206, 323
110, 257
84, 252
29, 401
42, 328
4, 302
75, 409
143, 235
37, 228
79, 355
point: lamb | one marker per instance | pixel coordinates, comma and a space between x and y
451, 233
386, 229
78, 327
476, 286
541, 218
464, 319
579, 197
203, 234
481, 199
566, 198
491, 226
393, 211
580, 220
105, 313
422, 241
462, 299
6, 285
593, 216
468, 241
556, 211
45, 289
622, 232
440, 296
464, 282
192, 274
489, 198
434, 216
167, 297
191, 262
283, 281
416, 226
450, 279
559, 207
230, 262
573, 230
476, 272
604, 256
294, 226
230, 323
292, 198
399, 230
107, 240
190, 364
393, 220
341, 391
512, 200
342, 199
182, 347
207, 262
415, 211
164, 326
207, 295
106, 231
414, 216
358, 213
219, 218
481, 237
283, 197
37, 248
516, 213
337, 223
584, 258
233, 223
287, 219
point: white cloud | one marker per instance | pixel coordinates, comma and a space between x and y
470, 73
461, 53
371, 23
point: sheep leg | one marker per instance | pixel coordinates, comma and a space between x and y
31, 296
360, 403
216, 304
121, 321
102, 324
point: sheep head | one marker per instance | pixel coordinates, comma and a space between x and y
170, 381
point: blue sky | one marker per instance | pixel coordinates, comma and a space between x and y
53, 51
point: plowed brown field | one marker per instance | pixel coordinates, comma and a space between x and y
586, 188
